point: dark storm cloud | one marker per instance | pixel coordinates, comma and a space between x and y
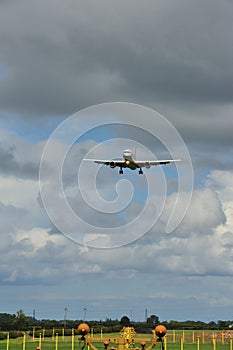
9, 166
66, 56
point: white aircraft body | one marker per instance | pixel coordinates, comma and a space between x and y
130, 162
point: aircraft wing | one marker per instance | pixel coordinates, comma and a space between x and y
107, 162
148, 163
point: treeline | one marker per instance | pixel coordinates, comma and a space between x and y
20, 322
198, 325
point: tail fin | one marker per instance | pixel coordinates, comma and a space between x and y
134, 152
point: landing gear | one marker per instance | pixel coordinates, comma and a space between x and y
140, 171
120, 171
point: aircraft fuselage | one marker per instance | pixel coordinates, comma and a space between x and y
129, 159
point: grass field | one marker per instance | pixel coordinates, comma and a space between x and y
179, 340
17, 345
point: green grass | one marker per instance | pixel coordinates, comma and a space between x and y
48, 344
67, 346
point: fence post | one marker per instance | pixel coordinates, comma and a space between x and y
183, 336
174, 336
198, 342
72, 339
56, 341
193, 337
40, 341
203, 337
223, 338
24, 341
214, 343
230, 343
7, 341
181, 343
165, 342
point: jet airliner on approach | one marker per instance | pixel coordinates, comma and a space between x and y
130, 162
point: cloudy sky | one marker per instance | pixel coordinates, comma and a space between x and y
59, 57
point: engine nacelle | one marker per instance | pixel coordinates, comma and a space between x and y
147, 165
112, 165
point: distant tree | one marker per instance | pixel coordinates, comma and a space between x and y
224, 324
6, 322
152, 320
109, 322
212, 325
125, 321
173, 324
21, 322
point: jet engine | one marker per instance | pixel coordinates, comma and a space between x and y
112, 165
147, 165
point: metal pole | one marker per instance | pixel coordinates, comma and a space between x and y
198, 343
65, 316
214, 343
24, 341
165, 342
72, 339
8, 341
182, 343
56, 341
40, 341
174, 336
223, 338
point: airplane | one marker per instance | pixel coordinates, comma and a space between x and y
130, 162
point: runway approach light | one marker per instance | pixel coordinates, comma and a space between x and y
143, 344
83, 329
160, 331
106, 344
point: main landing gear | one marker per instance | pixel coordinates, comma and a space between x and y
139, 172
